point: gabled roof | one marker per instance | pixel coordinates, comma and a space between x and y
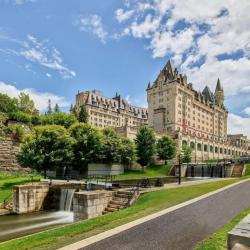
170, 66
208, 94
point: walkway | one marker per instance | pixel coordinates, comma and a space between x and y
180, 227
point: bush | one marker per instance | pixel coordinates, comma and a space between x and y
18, 132
127, 151
58, 118
20, 116
7, 130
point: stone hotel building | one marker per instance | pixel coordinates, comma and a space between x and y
198, 119
113, 112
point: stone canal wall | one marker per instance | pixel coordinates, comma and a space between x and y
8, 151
88, 204
29, 198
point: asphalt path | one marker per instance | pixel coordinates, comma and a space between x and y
183, 228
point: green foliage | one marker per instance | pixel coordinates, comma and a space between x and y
247, 172
18, 132
186, 154
166, 148
8, 104
145, 145
7, 130
25, 104
3, 118
127, 151
83, 114
58, 118
46, 147
110, 146
20, 116
87, 145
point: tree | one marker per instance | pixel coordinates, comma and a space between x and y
166, 148
110, 146
186, 154
87, 145
145, 145
49, 107
83, 114
46, 147
127, 151
56, 108
26, 104
8, 104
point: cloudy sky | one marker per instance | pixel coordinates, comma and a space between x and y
53, 48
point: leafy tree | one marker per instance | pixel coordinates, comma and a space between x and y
127, 151
87, 147
49, 107
186, 154
58, 118
57, 108
145, 145
110, 146
166, 148
8, 104
83, 114
46, 147
25, 104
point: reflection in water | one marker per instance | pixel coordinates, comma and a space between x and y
13, 226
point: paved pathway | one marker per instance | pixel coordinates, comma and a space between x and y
183, 228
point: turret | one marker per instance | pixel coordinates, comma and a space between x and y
219, 94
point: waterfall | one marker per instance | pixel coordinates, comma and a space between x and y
66, 199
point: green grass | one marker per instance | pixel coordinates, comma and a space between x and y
218, 241
247, 173
152, 171
147, 204
8, 180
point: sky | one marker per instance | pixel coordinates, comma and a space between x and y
52, 49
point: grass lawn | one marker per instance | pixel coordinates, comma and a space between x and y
7, 180
247, 173
147, 204
218, 241
152, 171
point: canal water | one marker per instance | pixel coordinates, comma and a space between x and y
14, 226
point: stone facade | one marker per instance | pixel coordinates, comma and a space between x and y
29, 198
100, 169
110, 112
198, 119
89, 204
8, 151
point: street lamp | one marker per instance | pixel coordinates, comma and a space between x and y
180, 161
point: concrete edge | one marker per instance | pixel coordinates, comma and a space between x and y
93, 239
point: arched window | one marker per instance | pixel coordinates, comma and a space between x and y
216, 149
199, 147
211, 149
192, 145
221, 151
205, 147
184, 143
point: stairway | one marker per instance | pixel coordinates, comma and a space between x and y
119, 201
238, 170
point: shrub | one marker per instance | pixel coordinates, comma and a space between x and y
7, 130
127, 151
18, 132
20, 116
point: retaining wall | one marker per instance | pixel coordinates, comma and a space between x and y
89, 204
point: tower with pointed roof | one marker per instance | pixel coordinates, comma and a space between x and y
219, 94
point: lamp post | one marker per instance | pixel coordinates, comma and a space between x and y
179, 177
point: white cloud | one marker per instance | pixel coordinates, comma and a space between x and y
122, 15
40, 98
40, 53
48, 75
93, 24
20, 2
238, 125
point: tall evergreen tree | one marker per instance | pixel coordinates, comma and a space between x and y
57, 108
83, 114
49, 107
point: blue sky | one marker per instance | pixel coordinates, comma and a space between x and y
52, 49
